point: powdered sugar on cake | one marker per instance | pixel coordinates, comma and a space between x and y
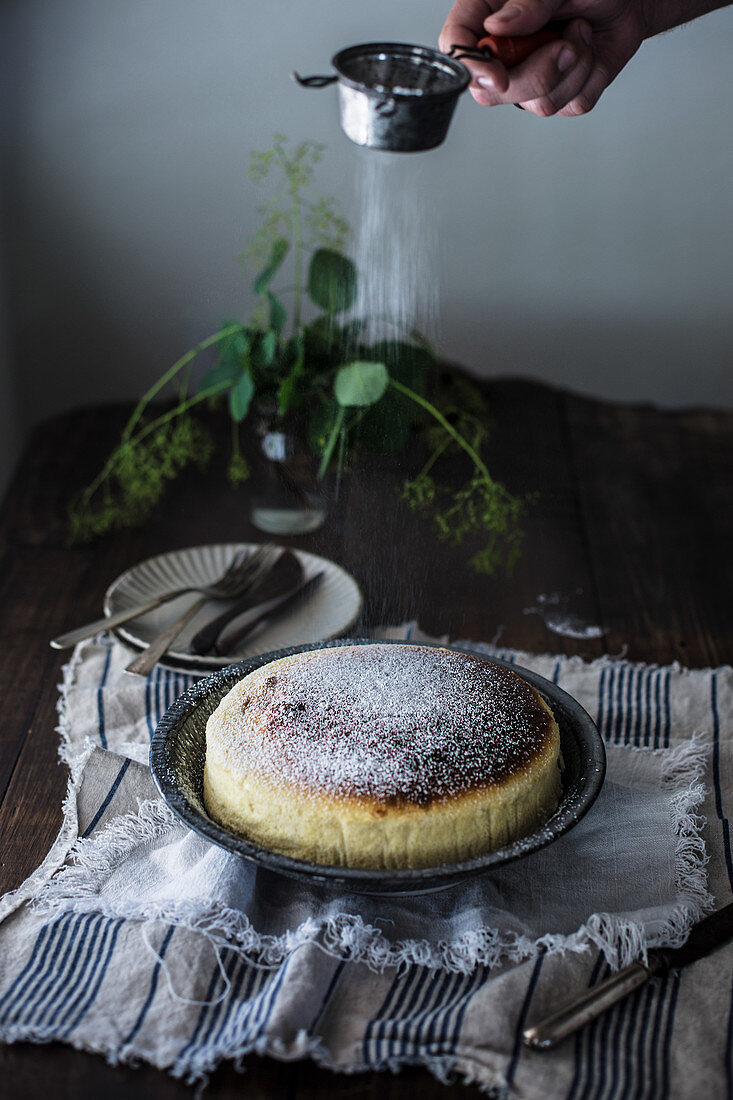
389, 723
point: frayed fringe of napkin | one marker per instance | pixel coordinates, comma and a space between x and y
75, 888
69, 831
447, 1069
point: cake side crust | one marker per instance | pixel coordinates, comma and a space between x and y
357, 833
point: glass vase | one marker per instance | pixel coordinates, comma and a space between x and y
287, 498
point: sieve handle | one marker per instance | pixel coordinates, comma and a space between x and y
512, 50
314, 81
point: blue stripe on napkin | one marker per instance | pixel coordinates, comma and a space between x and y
162, 688
100, 698
720, 811
625, 1054
126, 1042
522, 1020
237, 1012
634, 705
63, 975
421, 1014
108, 798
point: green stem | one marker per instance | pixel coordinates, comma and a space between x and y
433, 459
297, 261
184, 382
445, 424
170, 375
342, 453
328, 451
164, 418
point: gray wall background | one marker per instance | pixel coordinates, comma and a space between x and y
594, 253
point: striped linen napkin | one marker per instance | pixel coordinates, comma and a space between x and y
139, 940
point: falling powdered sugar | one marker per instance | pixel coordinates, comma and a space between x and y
396, 251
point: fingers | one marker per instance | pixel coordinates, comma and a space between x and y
566, 77
546, 83
587, 97
520, 16
464, 25
546, 86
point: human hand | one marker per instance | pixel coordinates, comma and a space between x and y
566, 77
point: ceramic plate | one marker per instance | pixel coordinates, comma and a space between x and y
178, 750
332, 609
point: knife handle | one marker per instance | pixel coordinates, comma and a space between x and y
107, 622
205, 639
552, 1030
231, 641
148, 659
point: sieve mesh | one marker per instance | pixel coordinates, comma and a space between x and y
400, 70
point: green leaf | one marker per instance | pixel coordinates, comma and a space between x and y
240, 396
320, 425
264, 349
269, 346
279, 251
336, 430
221, 377
323, 343
233, 357
290, 387
287, 394
332, 280
322, 331
408, 363
360, 384
386, 427
278, 313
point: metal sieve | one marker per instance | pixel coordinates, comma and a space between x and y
394, 96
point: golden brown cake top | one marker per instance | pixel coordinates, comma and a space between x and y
389, 723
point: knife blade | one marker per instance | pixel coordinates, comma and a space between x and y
706, 936
286, 603
282, 577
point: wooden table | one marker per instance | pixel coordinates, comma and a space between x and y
632, 524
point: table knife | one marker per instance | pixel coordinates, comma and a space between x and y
273, 611
710, 933
285, 575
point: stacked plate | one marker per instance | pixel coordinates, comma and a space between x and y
332, 609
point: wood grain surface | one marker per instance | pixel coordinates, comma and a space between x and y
629, 529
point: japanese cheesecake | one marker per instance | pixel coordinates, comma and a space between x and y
382, 756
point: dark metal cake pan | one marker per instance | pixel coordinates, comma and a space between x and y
178, 750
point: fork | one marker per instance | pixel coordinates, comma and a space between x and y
108, 622
285, 573
245, 571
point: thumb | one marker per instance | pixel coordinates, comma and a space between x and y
521, 17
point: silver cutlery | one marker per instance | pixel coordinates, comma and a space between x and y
241, 576
710, 933
286, 572
108, 622
272, 611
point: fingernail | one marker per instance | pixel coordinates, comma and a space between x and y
586, 34
486, 82
565, 60
507, 14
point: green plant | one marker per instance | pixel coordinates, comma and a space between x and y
316, 363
